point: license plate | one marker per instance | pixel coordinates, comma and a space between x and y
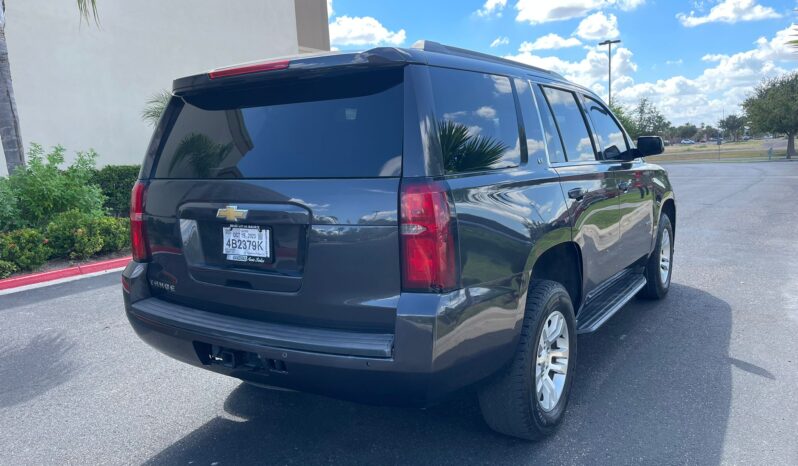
244, 243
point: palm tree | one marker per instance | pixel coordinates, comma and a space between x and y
155, 106
201, 153
463, 152
9, 119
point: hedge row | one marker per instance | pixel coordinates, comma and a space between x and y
51, 212
71, 235
116, 181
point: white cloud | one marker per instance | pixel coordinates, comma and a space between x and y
674, 62
598, 26
730, 11
550, 42
628, 5
474, 130
330, 10
486, 112
720, 87
500, 41
346, 30
501, 84
454, 115
591, 71
713, 57
492, 7
537, 11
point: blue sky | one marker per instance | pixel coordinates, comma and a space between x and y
694, 59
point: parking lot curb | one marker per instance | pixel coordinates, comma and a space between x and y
60, 274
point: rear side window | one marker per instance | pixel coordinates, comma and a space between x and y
536, 148
609, 134
571, 123
342, 126
476, 118
553, 141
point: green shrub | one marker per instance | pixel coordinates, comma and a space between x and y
115, 233
34, 193
6, 268
10, 218
26, 248
73, 234
116, 181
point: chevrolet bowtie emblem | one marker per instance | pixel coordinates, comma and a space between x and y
232, 213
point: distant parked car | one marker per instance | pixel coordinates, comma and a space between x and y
746, 138
688, 141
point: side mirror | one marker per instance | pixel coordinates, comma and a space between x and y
650, 145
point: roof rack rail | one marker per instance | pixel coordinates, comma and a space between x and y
432, 46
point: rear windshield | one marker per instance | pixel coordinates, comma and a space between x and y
343, 126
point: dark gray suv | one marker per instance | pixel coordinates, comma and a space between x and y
393, 225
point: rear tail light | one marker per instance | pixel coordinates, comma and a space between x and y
138, 233
249, 68
428, 243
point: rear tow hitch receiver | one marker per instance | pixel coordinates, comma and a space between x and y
242, 360
225, 357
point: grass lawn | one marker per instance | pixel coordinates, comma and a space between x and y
729, 151
708, 156
726, 146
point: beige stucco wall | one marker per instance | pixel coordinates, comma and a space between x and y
83, 86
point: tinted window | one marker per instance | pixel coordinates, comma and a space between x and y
337, 126
609, 134
553, 142
534, 134
571, 123
476, 119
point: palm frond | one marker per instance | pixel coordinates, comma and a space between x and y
88, 11
201, 153
155, 106
463, 151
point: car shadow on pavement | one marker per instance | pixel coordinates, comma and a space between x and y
653, 386
30, 370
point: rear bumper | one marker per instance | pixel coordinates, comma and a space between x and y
440, 343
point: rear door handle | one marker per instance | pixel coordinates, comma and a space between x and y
576, 193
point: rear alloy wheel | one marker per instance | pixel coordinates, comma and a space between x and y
528, 398
660, 265
551, 366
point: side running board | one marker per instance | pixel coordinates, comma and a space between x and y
609, 301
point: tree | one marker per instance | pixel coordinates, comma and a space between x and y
648, 120
733, 125
9, 119
463, 151
623, 116
773, 107
154, 107
687, 131
710, 132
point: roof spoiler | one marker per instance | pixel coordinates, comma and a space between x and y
437, 47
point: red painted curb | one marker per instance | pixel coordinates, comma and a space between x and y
30, 279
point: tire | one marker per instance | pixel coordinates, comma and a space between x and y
657, 283
510, 402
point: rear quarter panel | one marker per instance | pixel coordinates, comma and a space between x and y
505, 219
663, 192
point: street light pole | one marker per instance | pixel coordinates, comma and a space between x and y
609, 81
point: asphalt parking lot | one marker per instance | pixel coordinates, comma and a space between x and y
707, 376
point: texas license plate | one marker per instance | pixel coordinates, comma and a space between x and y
245, 243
